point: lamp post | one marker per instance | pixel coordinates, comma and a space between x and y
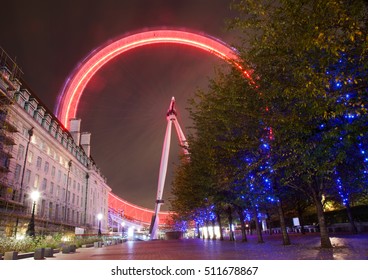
30, 134
99, 218
66, 192
31, 226
85, 201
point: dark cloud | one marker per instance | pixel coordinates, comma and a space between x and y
124, 105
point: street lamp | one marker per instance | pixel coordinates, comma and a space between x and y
66, 192
30, 134
31, 226
99, 218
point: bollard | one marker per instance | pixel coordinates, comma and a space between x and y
39, 254
49, 252
73, 248
12, 255
66, 249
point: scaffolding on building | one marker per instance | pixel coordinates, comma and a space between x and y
9, 202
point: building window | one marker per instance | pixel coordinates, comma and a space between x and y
63, 212
17, 170
20, 152
39, 163
50, 210
51, 188
25, 132
59, 176
30, 157
10, 149
73, 198
57, 191
57, 212
44, 184
43, 204
46, 168
36, 181
53, 171
43, 146
27, 176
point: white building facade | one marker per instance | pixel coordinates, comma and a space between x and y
47, 158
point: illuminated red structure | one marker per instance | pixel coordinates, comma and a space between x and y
136, 213
72, 91
68, 99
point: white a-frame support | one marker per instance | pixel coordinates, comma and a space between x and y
171, 118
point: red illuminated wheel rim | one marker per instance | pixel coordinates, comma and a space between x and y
69, 97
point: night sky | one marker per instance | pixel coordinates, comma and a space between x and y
124, 106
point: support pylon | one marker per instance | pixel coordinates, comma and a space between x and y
171, 118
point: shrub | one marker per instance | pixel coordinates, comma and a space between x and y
29, 244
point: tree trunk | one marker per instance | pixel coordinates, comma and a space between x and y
220, 225
230, 217
198, 232
301, 219
269, 224
208, 231
285, 235
242, 224
213, 230
258, 226
351, 218
325, 239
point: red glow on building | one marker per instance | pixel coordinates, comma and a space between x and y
136, 213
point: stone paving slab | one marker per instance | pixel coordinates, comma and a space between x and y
303, 247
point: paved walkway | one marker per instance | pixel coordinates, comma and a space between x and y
303, 247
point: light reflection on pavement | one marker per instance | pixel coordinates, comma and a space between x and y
303, 247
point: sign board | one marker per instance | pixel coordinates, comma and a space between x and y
79, 230
296, 222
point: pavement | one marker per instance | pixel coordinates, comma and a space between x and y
303, 247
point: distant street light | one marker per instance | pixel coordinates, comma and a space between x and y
31, 226
99, 217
